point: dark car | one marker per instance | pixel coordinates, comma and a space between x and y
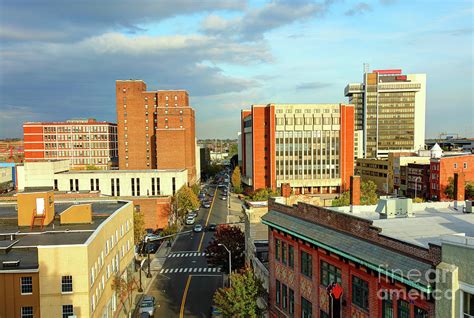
212, 227
206, 204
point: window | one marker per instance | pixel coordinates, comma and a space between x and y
306, 268
277, 249
455, 166
403, 309
465, 165
66, 284
291, 257
329, 274
467, 305
421, 313
27, 312
291, 307
277, 295
306, 308
360, 293
68, 311
284, 296
387, 305
26, 285
283, 252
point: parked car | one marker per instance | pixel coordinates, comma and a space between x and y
215, 313
224, 197
145, 315
190, 220
151, 247
147, 305
206, 204
197, 228
192, 214
212, 227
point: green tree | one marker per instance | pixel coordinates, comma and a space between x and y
185, 200
138, 226
196, 189
468, 189
241, 300
236, 181
124, 285
233, 150
92, 167
234, 239
368, 195
263, 194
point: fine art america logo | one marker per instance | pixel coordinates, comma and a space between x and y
432, 280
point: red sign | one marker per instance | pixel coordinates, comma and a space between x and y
397, 71
401, 78
336, 291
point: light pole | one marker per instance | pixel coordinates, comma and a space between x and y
140, 289
416, 186
230, 261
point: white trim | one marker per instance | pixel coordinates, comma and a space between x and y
19, 271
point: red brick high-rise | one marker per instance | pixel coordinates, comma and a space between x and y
156, 129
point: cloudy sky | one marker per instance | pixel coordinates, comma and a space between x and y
59, 59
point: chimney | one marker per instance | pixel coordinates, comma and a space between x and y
459, 186
355, 190
285, 190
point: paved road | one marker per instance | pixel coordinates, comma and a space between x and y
185, 284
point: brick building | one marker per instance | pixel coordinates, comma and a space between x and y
382, 263
86, 142
310, 146
443, 168
418, 177
156, 129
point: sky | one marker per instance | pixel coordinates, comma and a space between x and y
59, 59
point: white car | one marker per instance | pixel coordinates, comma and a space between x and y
190, 220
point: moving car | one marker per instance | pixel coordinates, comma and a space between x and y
190, 220
206, 204
197, 228
212, 227
147, 305
224, 197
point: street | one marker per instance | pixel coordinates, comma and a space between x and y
185, 285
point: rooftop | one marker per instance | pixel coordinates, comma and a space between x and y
20, 243
120, 171
430, 223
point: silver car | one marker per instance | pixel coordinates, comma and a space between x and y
147, 305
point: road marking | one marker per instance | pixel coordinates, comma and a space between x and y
207, 220
180, 270
200, 269
162, 270
183, 300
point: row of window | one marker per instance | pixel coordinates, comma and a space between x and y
26, 284
67, 311
77, 128
307, 120
308, 110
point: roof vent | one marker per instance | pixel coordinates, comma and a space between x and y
11, 264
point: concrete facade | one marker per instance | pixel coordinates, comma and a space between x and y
309, 146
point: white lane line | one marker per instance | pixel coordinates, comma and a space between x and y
166, 270
200, 269
214, 269
180, 270
185, 270
162, 270
219, 269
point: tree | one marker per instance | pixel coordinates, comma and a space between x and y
92, 167
233, 150
468, 189
263, 194
233, 238
236, 181
196, 189
138, 226
241, 300
368, 195
124, 285
185, 200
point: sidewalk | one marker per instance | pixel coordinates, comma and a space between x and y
235, 211
157, 261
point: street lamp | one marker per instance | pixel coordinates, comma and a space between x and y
140, 289
230, 261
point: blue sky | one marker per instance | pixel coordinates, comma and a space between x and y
60, 59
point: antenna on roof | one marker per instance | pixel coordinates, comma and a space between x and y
366, 68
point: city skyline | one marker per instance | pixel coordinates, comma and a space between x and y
229, 55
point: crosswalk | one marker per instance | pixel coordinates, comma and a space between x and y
190, 270
187, 254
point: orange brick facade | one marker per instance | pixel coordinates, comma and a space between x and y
156, 129
156, 211
83, 142
444, 168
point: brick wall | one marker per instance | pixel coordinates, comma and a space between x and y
156, 211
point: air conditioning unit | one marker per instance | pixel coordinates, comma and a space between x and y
469, 204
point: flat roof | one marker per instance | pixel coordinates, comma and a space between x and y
431, 221
120, 171
25, 241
